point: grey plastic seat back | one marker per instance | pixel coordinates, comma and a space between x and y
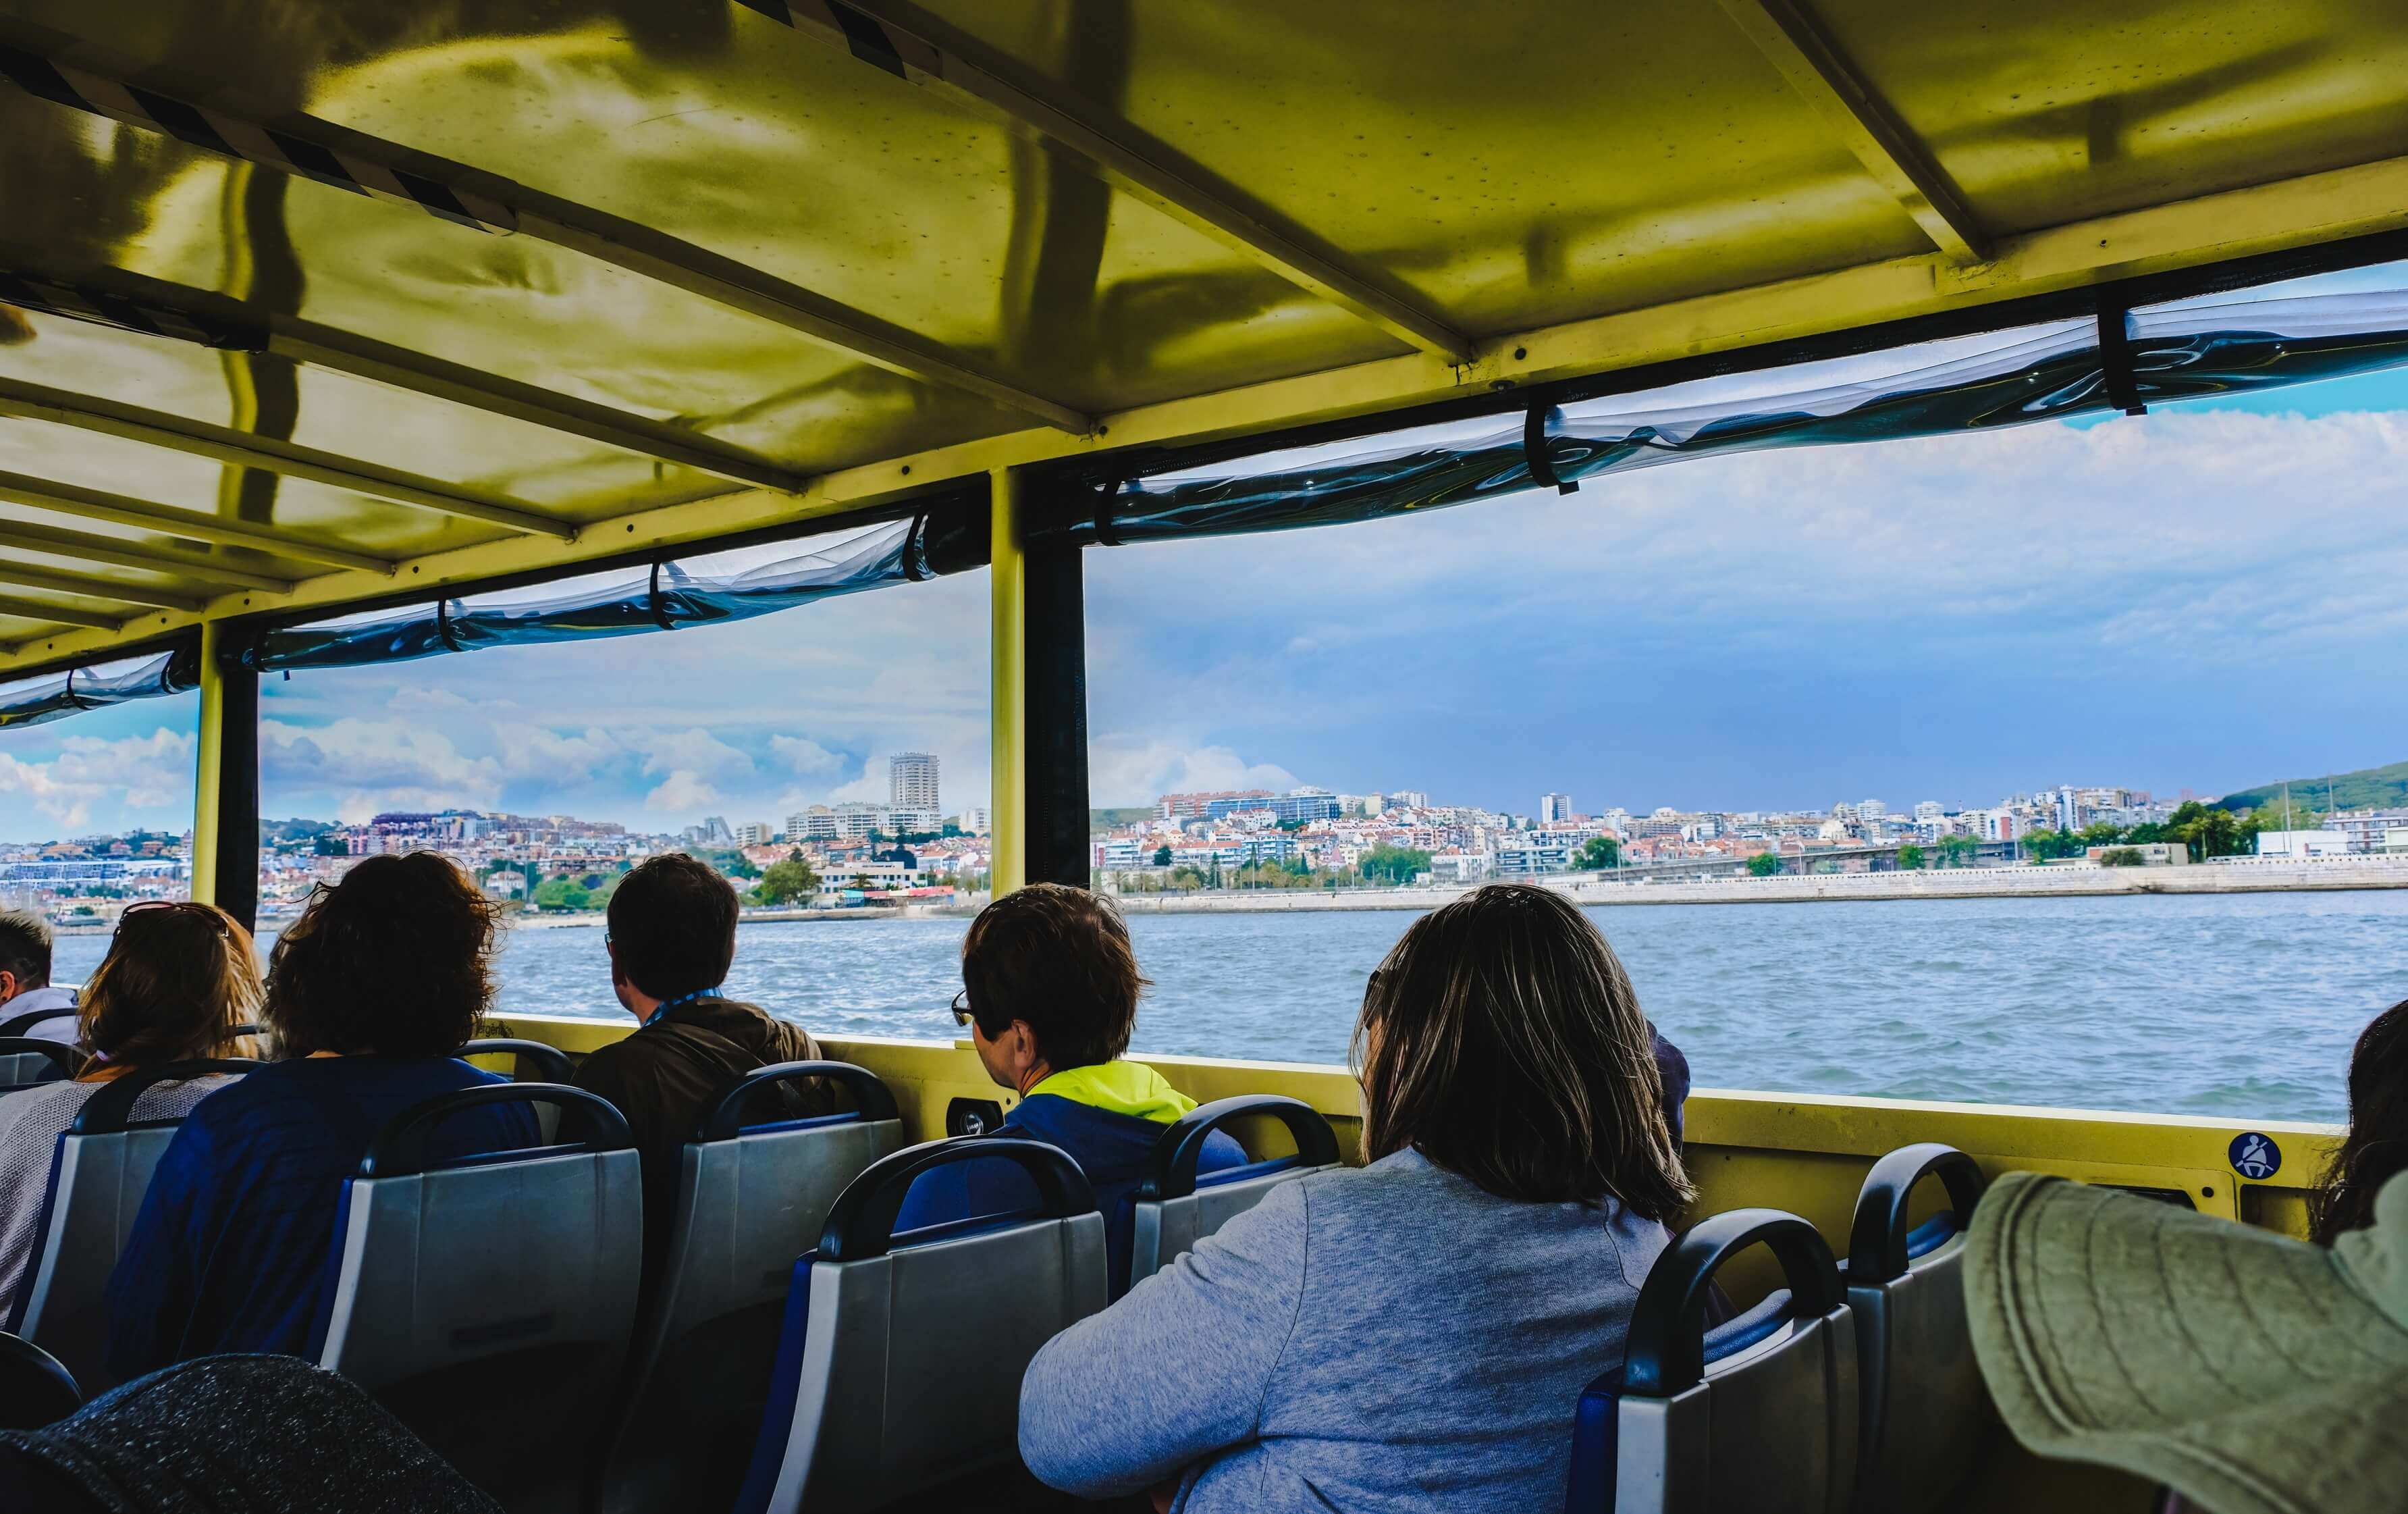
531, 1061
1923, 1409
1758, 1416
26, 1060
488, 1304
98, 1176
1175, 1208
751, 1200
902, 1364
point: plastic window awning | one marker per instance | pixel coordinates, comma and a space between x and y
2052, 371
31, 701
667, 596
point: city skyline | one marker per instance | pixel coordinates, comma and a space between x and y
2197, 597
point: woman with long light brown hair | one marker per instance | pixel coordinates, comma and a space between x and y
1414, 1333
177, 979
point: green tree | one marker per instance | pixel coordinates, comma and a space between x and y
562, 894
2120, 856
1393, 864
2100, 833
1956, 851
1162, 856
2207, 831
1598, 852
1910, 857
1764, 864
783, 883
330, 844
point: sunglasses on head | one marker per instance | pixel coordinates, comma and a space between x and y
177, 906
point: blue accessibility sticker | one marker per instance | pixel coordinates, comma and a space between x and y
2255, 1156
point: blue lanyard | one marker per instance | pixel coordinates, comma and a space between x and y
668, 1004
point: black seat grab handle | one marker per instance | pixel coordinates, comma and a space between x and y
724, 1120
31, 1017
405, 1147
1877, 1240
862, 1222
552, 1064
1667, 1344
36, 1388
65, 1057
112, 1109
1170, 1171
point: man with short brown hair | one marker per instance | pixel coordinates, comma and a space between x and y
672, 939
1049, 992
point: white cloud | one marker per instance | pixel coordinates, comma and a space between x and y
694, 751
682, 793
133, 773
804, 756
377, 765
534, 751
1126, 770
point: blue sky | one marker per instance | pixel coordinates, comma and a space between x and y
2204, 597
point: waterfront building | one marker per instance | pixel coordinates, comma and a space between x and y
2372, 830
2303, 844
912, 785
858, 820
816, 823
1197, 806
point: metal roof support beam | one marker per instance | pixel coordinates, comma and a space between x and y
155, 307
1795, 43
117, 553
56, 615
95, 588
119, 510
243, 449
352, 160
2209, 231
925, 50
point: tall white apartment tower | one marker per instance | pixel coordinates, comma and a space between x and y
1553, 809
911, 783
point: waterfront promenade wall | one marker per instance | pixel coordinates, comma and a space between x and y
2239, 876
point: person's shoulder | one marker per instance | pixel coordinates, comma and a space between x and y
50, 1105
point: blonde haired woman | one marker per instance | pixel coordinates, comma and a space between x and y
1414, 1333
177, 979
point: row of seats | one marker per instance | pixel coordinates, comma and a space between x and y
878, 1366
1853, 1387
875, 1366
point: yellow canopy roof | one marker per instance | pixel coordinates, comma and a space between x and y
377, 298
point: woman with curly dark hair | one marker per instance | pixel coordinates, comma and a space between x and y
369, 993
2376, 1146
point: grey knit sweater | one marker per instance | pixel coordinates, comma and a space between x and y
1373, 1340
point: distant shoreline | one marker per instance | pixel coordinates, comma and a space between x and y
2251, 876
2245, 876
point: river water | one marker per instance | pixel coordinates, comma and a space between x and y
2241, 1005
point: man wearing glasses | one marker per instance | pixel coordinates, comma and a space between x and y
1049, 998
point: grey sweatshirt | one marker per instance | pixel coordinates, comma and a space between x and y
1384, 1338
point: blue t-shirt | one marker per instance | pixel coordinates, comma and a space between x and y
230, 1251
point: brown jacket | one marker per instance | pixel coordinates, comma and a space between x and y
667, 1076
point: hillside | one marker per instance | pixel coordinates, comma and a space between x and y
2380, 788
1103, 820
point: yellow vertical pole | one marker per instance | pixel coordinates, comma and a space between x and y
208, 766
1008, 655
